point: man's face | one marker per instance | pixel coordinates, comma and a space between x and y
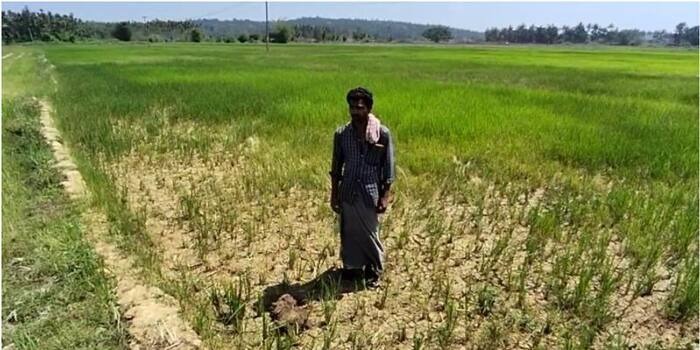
359, 110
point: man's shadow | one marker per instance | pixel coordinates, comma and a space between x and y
331, 284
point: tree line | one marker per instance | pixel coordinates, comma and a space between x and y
591, 33
290, 31
26, 25
45, 26
316, 29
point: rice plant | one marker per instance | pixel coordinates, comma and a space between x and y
230, 302
550, 180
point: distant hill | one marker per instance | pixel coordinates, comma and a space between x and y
351, 29
27, 26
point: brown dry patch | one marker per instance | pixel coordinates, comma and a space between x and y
151, 316
290, 236
642, 322
205, 221
209, 216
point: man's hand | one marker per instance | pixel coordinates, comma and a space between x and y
335, 203
383, 203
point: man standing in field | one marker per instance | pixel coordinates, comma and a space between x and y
362, 171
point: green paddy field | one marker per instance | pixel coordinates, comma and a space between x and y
547, 197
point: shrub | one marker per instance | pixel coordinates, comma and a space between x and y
122, 32
195, 36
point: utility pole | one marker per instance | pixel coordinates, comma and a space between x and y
267, 32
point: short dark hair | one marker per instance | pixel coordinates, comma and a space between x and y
360, 93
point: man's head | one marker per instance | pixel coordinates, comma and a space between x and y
360, 103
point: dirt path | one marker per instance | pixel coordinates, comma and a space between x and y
152, 317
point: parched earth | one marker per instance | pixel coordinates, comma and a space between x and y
445, 256
151, 317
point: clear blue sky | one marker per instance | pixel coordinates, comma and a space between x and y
475, 16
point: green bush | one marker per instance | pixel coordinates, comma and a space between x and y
195, 36
122, 32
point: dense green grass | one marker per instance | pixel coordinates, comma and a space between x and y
55, 295
610, 134
631, 113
